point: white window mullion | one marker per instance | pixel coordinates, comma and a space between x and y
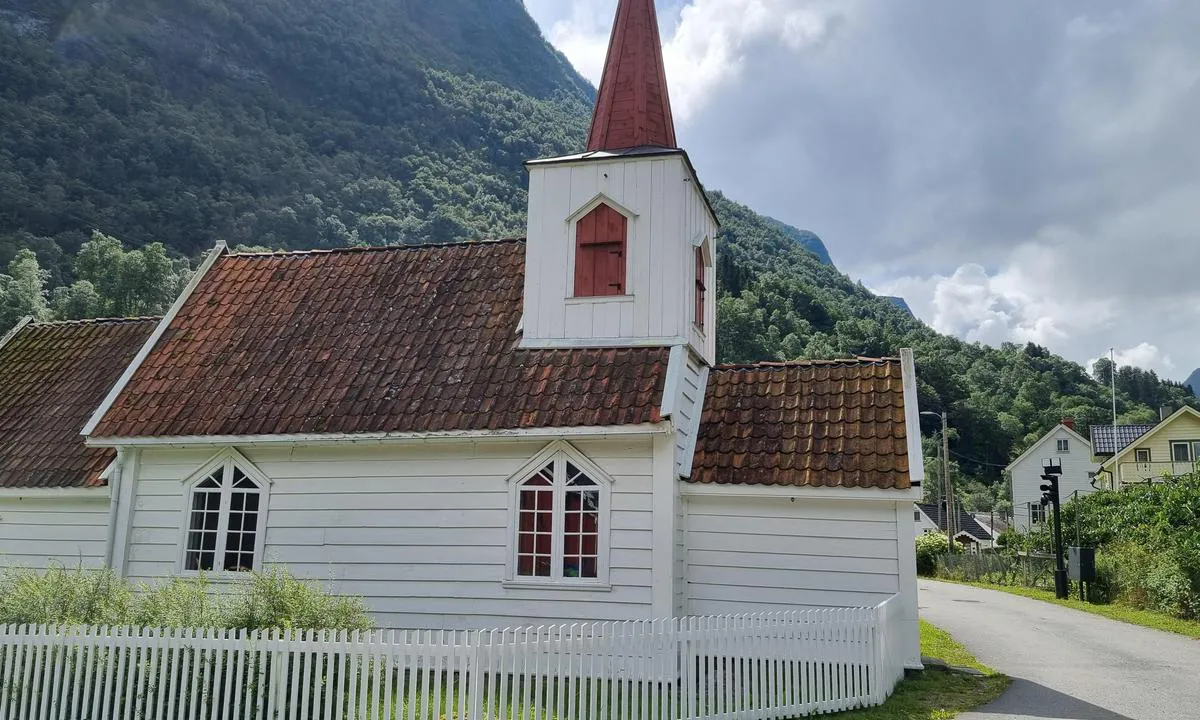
560, 517
223, 517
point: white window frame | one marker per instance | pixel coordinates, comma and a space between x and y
1037, 514
560, 452
710, 282
1063, 445
1137, 455
225, 461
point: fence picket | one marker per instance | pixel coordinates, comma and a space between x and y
767, 666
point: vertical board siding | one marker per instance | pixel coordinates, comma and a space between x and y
421, 533
669, 214
801, 553
769, 666
1027, 474
69, 531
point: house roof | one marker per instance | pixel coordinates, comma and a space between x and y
834, 423
52, 377
1154, 430
1110, 439
1040, 441
372, 340
966, 522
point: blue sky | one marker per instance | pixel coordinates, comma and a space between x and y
1018, 170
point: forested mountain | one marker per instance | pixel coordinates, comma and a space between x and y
170, 124
1193, 381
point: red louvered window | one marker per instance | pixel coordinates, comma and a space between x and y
701, 290
600, 240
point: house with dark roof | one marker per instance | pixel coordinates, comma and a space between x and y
55, 490
1153, 453
518, 431
931, 518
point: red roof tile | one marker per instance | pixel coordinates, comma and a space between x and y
814, 424
52, 378
410, 339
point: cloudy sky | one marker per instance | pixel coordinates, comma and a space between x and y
1017, 170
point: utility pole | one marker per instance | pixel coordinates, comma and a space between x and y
946, 481
1112, 359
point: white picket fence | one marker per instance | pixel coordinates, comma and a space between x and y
760, 667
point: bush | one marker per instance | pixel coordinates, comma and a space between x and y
930, 547
261, 601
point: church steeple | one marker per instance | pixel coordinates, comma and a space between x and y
633, 108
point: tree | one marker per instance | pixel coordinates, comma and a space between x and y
22, 290
118, 283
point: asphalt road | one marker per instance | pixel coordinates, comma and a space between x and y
1067, 664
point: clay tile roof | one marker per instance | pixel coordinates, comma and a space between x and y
52, 378
816, 424
373, 340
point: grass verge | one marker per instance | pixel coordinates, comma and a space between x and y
1122, 613
937, 695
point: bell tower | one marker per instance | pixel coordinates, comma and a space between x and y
620, 240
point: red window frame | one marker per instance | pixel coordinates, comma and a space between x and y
600, 245
701, 289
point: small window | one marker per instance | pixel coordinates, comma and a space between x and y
917, 515
701, 289
1037, 514
1141, 455
560, 513
600, 240
1064, 446
1181, 452
225, 512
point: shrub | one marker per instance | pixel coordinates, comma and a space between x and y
62, 596
930, 546
260, 601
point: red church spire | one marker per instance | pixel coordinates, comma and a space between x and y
633, 108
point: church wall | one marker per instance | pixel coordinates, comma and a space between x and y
419, 531
43, 529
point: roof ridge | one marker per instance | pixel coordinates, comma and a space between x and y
381, 248
96, 321
775, 365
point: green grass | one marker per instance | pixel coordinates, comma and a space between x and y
937, 695
1122, 613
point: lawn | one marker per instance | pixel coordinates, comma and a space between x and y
1123, 613
934, 694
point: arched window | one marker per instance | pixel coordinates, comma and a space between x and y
561, 520
701, 289
600, 246
225, 520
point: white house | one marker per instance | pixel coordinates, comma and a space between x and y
522, 431
1079, 470
1169, 449
54, 499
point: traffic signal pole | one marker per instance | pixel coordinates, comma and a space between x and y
1051, 470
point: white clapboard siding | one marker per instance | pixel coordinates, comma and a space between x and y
1077, 466
801, 553
769, 666
669, 213
420, 532
688, 407
68, 530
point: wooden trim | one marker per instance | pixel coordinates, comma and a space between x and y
664, 491
600, 199
601, 432
151, 341
676, 367
689, 450
912, 418
564, 343
97, 493
12, 333
815, 493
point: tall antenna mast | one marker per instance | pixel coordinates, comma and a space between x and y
1112, 357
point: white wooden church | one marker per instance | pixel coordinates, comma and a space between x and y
482, 434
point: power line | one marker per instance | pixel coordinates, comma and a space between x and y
960, 456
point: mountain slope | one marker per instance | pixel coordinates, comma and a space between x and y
1193, 381
290, 123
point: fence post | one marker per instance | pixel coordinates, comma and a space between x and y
475, 671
